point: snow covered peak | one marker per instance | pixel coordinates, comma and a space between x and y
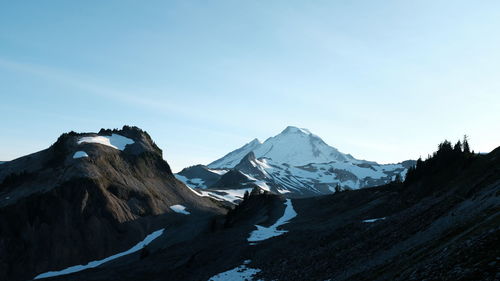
233, 158
294, 146
295, 130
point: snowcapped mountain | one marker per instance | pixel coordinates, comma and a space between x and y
295, 163
312, 179
232, 158
293, 146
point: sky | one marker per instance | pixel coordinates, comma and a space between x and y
382, 80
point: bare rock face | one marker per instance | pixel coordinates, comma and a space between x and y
201, 176
84, 198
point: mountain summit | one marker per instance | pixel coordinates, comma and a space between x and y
293, 146
295, 163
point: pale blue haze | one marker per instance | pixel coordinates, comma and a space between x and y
382, 80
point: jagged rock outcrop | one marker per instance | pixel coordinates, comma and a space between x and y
84, 198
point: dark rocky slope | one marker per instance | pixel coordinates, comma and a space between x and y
221, 246
58, 211
200, 172
232, 179
442, 223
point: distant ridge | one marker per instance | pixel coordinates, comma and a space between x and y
295, 163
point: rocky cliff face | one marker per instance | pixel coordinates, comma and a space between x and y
86, 197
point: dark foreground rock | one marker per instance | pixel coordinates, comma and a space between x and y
57, 211
442, 224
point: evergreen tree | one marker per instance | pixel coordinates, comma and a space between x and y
465, 145
255, 191
445, 148
458, 147
441, 160
419, 163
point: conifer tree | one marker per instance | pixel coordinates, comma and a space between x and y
465, 144
458, 147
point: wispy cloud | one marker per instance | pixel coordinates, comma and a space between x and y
142, 100
86, 84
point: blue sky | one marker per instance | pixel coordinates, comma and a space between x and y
382, 80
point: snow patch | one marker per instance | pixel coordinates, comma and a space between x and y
240, 273
93, 264
219, 172
181, 178
198, 182
229, 195
403, 174
202, 193
373, 220
80, 154
263, 233
193, 183
263, 185
263, 163
115, 141
249, 176
283, 191
179, 209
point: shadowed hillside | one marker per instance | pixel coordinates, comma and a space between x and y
86, 197
442, 223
